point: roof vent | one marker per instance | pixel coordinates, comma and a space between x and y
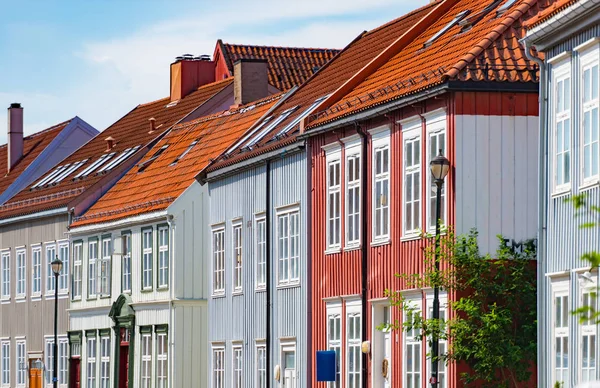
188, 56
110, 143
204, 57
152, 121
179, 58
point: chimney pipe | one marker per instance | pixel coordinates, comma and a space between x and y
15, 134
110, 143
250, 80
152, 121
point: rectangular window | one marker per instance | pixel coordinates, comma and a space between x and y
163, 257
218, 368
353, 201
63, 278
6, 275
63, 359
162, 360
237, 258
105, 362
288, 246
443, 344
146, 364
21, 273
126, 265
334, 339
590, 116
92, 274
105, 266
588, 336
333, 201
562, 128
261, 252
412, 352
5, 350
49, 361
50, 257
381, 188
261, 366
147, 257
237, 367
218, 252
21, 367
561, 334
77, 270
437, 145
353, 342
36, 271
91, 362
412, 183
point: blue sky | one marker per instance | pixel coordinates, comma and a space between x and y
99, 59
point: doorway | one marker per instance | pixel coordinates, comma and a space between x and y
36, 373
75, 372
288, 358
124, 358
382, 346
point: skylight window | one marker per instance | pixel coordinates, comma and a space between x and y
66, 172
297, 120
505, 6
270, 127
50, 176
447, 27
257, 128
192, 144
119, 159
148, 162
92, 167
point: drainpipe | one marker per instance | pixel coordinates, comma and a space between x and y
171, 329
268, 269
542, 200
363, 247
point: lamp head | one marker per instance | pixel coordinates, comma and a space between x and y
439, 167
56, 266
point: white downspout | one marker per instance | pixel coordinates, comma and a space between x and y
171, 332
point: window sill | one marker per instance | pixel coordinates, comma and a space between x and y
589, 184
237, 293
288, 285
351, 248
378, 243
107, 296
20, 299
216, 296
333, 250
4, 300
147, 290
260, 289
78, 299
561, 192
411, 237
35, 298
91, 298
163, 288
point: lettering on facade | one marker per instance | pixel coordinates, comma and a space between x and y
519, 247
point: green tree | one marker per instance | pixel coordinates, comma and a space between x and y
494, 328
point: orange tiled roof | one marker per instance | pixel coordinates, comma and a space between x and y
548, 12
163, 180
488, 50
129, 131
33, 145
288, 66
350, 60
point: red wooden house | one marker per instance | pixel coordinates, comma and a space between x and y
455, 80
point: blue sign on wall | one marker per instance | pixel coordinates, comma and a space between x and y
326, 368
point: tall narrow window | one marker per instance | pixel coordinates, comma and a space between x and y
126, 265
237, 257
334, 339
21, 367
105, 361
562, 129
354, 355
590, 117
92, 274
36, 271
412, 183
412, 352
261, 366
77, 270
91, 362
5, 350
218, 252
436, 130
63, 358
261, 253
443, 344
353, 202
147, 257
146, 360
333, 201
288, 246
50, 280
218, 368
588, 337
49, 361
63, 278
5, 275
237, 367
561, 336
163, 257
162, 359
381, 187
21, 273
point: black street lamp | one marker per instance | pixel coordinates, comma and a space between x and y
439, 167
56, 268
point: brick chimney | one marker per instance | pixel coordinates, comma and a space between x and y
250, 80
15, 134
188, 73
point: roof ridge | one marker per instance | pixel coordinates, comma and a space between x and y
282, 47
400, 18
43, 131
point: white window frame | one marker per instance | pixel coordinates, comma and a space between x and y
217, 379
443, 344
261, 367
77, 286
290, 278
163, 256
147, 234
63, 362
353, 310
353, 152
334, 312
260, 250
560, 288
21, 273
380, 139
21, 362
560, 73
237, 370
91, 363
288, 345
146, 359
49, 361
333, 223
5, 275
92, 268
162, 359
587, 329
105, 356
588, 59
49, 258
126, 265
5, 363
36, 271
237, 256
411, 133
435, 124
63, 277
411, 339
218, 258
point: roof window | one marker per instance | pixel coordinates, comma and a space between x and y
50, 176
505, 6
60, 173
252, 132
144, 165
300, 117
453, 22
192, 144
270, 127
92, 167
66, 172
119, 159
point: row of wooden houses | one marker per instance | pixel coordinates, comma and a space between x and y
223, 235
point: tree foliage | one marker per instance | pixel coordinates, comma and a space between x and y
494, 326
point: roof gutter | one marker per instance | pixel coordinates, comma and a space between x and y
38, 215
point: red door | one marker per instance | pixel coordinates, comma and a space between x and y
124, 359
75, 378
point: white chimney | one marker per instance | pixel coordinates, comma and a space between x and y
15, 134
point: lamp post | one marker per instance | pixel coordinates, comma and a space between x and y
439, 167
56, 268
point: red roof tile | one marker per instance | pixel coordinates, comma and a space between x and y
548, 12
129, 131
163, 181
288, 66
